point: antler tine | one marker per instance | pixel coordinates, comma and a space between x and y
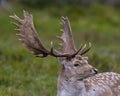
17, 19
85, 50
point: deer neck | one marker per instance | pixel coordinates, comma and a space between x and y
70, 86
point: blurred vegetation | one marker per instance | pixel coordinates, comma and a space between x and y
46, 3
22, 74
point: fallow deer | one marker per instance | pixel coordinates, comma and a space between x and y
77, 77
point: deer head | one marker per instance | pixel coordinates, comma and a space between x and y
74, 64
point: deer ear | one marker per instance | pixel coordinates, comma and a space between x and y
85, 58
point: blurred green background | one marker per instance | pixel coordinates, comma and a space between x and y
95, 21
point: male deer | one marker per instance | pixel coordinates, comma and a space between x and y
77, 77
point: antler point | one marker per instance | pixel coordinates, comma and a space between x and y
51, 44
90, 44
61, 30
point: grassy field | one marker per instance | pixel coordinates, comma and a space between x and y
21, 74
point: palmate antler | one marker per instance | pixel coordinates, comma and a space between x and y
68, 41
28, 35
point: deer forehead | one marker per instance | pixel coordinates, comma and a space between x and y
77, 59
81, 60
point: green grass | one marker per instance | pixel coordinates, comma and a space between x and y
21, 74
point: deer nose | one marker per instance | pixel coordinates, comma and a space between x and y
95, 70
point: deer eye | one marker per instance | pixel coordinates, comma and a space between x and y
76, 64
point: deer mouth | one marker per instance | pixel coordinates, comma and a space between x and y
83, 76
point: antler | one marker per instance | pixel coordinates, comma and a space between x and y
68, 41
29, 37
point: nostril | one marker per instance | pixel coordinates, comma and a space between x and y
96, 71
